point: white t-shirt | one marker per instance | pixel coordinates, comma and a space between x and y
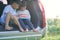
7, 9
24, 14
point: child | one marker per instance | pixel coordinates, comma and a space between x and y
24, 17
9, 14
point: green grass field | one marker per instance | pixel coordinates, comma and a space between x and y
53, 33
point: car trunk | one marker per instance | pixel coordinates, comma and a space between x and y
37, 19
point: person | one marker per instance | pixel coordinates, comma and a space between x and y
9, 14
24, 18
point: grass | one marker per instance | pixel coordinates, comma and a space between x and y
53, 33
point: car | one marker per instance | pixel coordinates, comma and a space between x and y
38, 19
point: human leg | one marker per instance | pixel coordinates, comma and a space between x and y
23, 24
7, 27
29, 23
15, 19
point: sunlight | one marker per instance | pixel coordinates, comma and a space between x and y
4, 1
52, 8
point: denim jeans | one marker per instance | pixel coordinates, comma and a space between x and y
25, 22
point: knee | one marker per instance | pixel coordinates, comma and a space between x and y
8, 14
14, 18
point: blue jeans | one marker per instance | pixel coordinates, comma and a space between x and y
25, 22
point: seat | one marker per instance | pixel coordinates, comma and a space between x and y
1, 11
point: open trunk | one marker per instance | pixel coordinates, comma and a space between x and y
37, 18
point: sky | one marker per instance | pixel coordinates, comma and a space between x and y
52, 8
